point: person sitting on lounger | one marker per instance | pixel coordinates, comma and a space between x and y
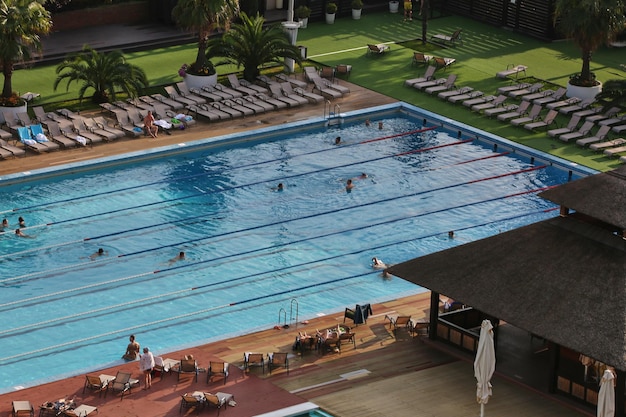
151, 128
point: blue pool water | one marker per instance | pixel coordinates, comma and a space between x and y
255, 257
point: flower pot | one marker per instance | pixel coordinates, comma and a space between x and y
356, 14
583, 93
199, 81
330, 18
393, 6
304, 21
11, 110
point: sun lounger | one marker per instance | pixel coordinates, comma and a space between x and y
443, 62
55, 134
580, 105
524, 91
96, 129
324, 90
478, 100
449, 40
562, 103
284, 78
257, 109
445, 95
5, 135
533, 116
203, 111
547, 121
521, 110
600, 135
582, 131
608, 144
176, 105
11, 148
28, 141
300, 94
619, 129
377, 49
512, 70
233, 113
174, 95
186, 92
428, 76
467, 96
4, 154
437, 85
612, 119
571, 125
509, 88
504, 108
256, 101
614, 151
246, 111
124, 123
227, 90
419, 58
277, 93
270, 100
236, 85
496, 102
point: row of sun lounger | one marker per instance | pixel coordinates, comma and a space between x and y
529, 106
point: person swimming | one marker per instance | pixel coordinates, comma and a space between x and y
378, 264
338, 140
22, 221
99, 252
280, 187
349, 185
19, 233
180, 257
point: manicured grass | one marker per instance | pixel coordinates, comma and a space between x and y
485, 51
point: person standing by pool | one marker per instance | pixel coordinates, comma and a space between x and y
146, 363
408, 10
132, 350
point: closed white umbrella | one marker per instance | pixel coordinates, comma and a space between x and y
606, 396
484, 365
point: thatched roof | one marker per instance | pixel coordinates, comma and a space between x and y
563, 279
601, 196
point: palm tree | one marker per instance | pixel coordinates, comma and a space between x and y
590, 23
22, 22
249, 45
106, 73
204, 17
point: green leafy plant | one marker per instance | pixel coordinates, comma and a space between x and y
331, 8
303, 12
357, 4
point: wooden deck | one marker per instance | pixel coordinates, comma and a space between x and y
385, 375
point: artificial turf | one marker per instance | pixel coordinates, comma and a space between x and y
485, 51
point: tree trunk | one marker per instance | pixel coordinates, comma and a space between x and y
202, 45
424, 12
585, 73
7, 71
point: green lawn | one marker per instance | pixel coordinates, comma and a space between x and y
485, 51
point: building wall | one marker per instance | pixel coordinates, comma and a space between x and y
126, 13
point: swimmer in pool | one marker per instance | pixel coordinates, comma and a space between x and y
22, 222
338, 140
378, 264
349, 185
5, 223
367, 122
279, 187
19, 233
180, 257
362, 176
100, 252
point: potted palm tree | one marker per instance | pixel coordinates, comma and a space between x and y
23, 22
302, 14
331, 9
357, 7
590, 23
203, 17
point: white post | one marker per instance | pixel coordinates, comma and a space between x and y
291, 28
482, 410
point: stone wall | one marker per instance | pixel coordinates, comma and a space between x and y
125, 13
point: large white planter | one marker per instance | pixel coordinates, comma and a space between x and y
330, 18
11, 110
393, 6
356, 14
583, 93
199, 81
304, 21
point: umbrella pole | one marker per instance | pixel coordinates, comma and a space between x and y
482, 410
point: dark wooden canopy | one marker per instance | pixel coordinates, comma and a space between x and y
563, 279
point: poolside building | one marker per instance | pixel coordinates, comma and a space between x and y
561, 280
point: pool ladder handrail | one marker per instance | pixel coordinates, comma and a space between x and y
282, 312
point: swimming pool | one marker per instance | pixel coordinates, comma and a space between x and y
255, 257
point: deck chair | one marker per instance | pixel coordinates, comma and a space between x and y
478, 100
449, 40
571, 125
520, 111
619, 128
253, 359
328, 73
512, 70
419, 58
82, 410
4, 153
104, 124
24, 118
125, 124
299, 92
540, 94
93, 383
189, 401
217, 368
445, 95
38, 134
552, 97
81, 128
284, 78
444, 62
218, 400
562, 103
22, 409
14, 150
256, 109
11, 121
309, 73
496, 102
271, 101
173, 94
222, 108
585, 129
580, 105
5, 135
325, 90
94, 128
428, 75
449, 84
176, 105
377, 49
332, 344
600, 135
547, 121
607, 144
277, 360
186, 93
399, 322
121, 383
256, 101
28, 141
469, 96
446, 83
607, 118
207, 112
233, 104
236, 85
614, 151
188, 366
525, 91
227, 90
348, 337
533, 116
